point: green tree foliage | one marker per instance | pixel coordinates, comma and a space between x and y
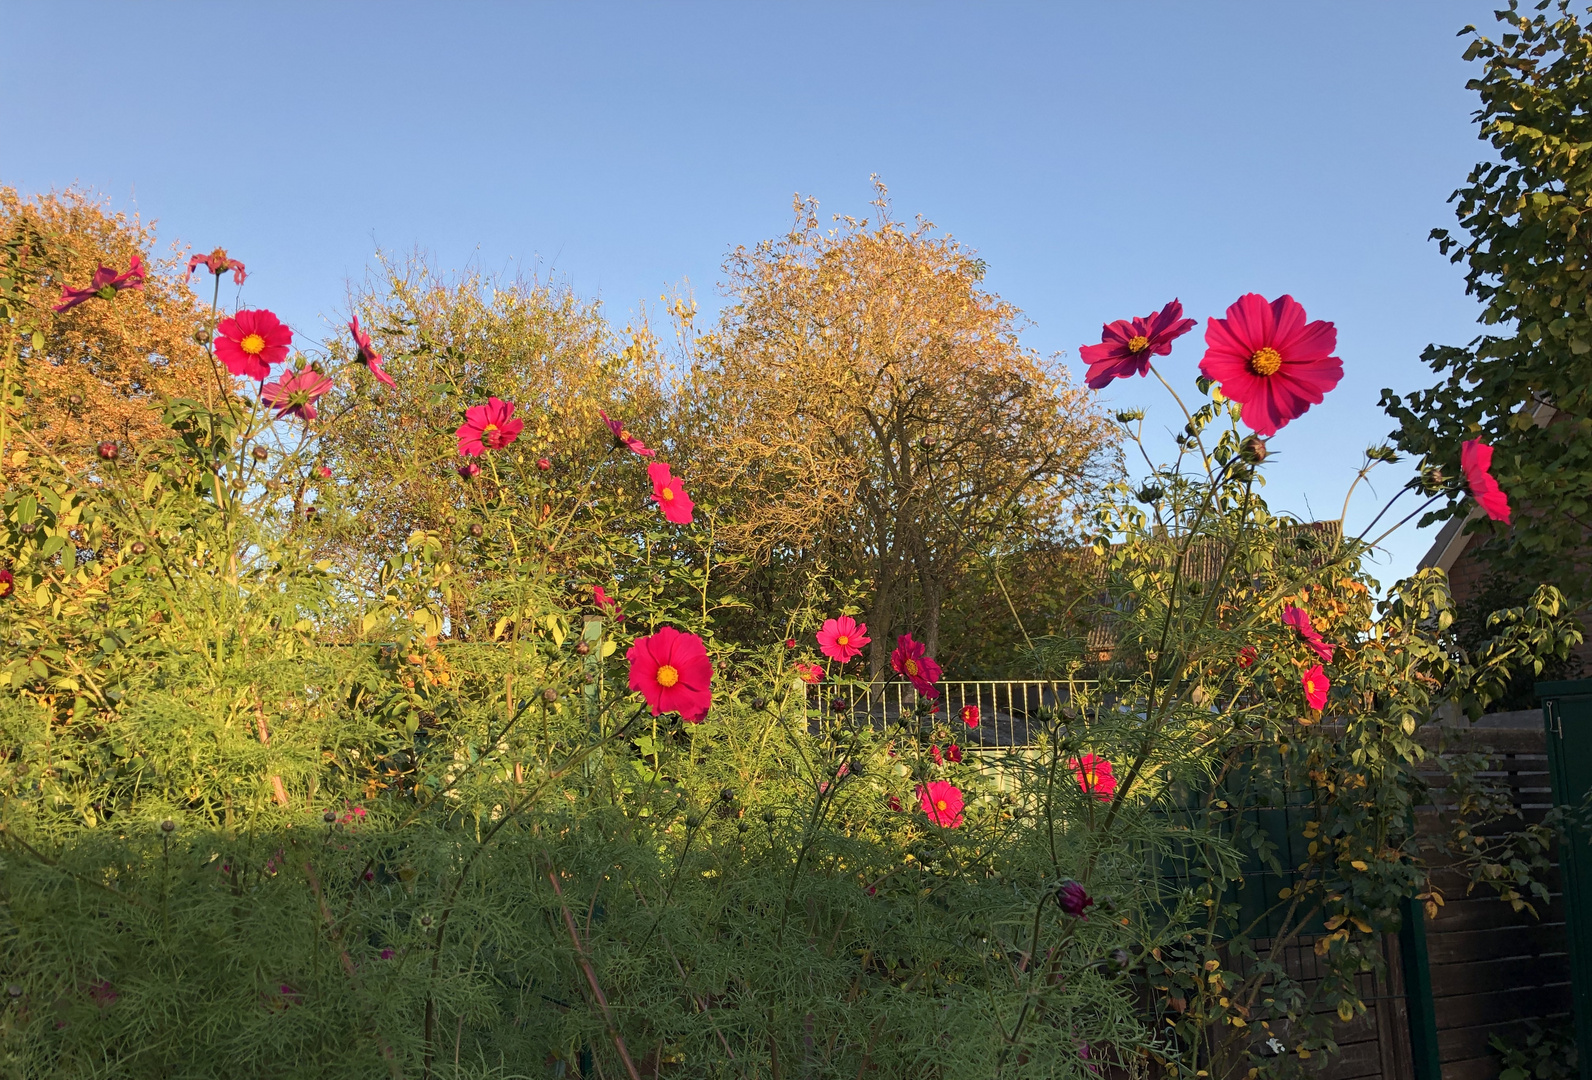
1524, 234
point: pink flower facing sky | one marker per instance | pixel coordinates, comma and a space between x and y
1127, 345
624, 438
942, 802
218, 263
296, 393
910, 659
105, 284
249, 342
368, 354
1299, 619
842, 639
490, 426
669, 494
1270, 360
1094, 776
810, 673
1316, 684
672, 672
606, 603
1475, 460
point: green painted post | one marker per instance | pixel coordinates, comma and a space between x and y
1567, 714
1418, 990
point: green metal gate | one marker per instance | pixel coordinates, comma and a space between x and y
1567, 712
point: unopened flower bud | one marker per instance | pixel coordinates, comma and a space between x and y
476, 530
583, 649
728, 794
329, 817
768, 817
692, 820
1254, 450
109, 451
1150, 493
168, 826
425, 920
259, 453
138, 547
550, 695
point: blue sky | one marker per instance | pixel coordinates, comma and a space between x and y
1102, 158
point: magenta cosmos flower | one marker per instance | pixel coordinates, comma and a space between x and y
488, 426
105, 284
669, 494
1299, 619
843, 638
368, 354
218, 263
672, 671
1270, 360
1094, 776
624, 438
1074, 899
1127, 345
970, 715
1316, 684
8, 584
606, 603
1475, 460
249, 342
810, 673
942, 801
296, 392
909, 659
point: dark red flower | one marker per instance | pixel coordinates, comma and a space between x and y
368, 354
218, 263
1127, 345
790, 643
8, 584
670, 494
1270, 360
109, 451
942, 801
296, 392
954, 754
606, 603
893, 803
672, 671
1299, 619
543, 464
909, 659
624, 438
1247, 656
105, 284
249, 342
469, 470
488, 426
935, 755
970, 715
1475, 460
325, 472
1074, 899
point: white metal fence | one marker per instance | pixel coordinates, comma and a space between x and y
1005, 708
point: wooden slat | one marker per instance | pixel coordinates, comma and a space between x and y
1512, 973
1545, 940
1471, 1010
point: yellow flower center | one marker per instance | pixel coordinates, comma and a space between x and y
1138, 343
489, 429
1310, 686
668, 494
911, 666
667, 676
253, 344
1265, 361
939, 804
842, 640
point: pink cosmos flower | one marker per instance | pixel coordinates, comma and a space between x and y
909, 659
488, 426
1270, 360
810, 673
105, 284
624, 438
1127, 345
218, 263
296, 392
843, 638
469, 470
368, 354
942, 801
8, 584
970, 715
606, 603
669, 494
1316, 684
1094, 776
249, 342
1074, 899
672, 671
1299, 619
1475, 460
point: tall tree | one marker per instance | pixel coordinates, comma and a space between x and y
1524, 385
866, 404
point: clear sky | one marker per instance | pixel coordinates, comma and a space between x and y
1102, 158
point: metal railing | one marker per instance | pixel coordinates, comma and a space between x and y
1005, 708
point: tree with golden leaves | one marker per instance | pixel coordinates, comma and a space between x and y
101, 370
866, 405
